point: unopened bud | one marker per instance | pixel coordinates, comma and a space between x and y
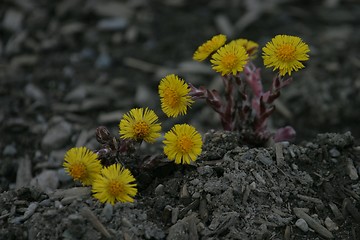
103, 135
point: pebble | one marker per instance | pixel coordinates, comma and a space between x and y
301, 223
34, 92
195, 182
351, 170
334, 153
77, 94
103, 61
265, 158
178, 231
205, 170
68, 200
107, 212
10, 150
46, 181
50, 213
112, 24
330, 225
12, 20
63, 175
159, 190
56, 136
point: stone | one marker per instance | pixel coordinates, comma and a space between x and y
46, 181
112, 24
107, 212
301, 223
12, 20
56, 136
330, 225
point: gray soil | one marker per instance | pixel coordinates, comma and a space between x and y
67, 67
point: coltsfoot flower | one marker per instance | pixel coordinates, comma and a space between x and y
174, 96
82, 165
230, 58
251, 47
285, 52
114, 184
140, 124
209, 47
182, 144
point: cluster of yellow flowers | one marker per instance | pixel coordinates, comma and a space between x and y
283, 52
182, 143
110, 184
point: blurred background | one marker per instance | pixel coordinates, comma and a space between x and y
69, 66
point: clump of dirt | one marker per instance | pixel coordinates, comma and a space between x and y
286, 191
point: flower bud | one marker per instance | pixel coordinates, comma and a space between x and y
103, 135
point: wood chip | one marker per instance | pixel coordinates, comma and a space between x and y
23, 175
338, 215
351, 209
313, 223
279, 154
89, 215
310, 199
351, 170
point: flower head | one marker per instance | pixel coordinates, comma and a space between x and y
182, 144
140, 124
174, 96
82, 164
209, 47
285, 52
250, 46
230, 58
114, 184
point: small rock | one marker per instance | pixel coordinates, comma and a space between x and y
56, 136
112, 24
12, 20
265, 158
301, 223
205, 170
34, 92
10, 150
46, 181
77, 94
23, 60
107, 212
330, 225
68, 200
178, 231
103, 60
63, 175
159, 190
113, 9
351, 170
72, 28
334, 153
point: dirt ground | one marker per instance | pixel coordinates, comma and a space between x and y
67, 67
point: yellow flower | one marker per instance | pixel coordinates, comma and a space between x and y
174, 96
82, 164
140, 124
182, 144
114, 184
250, 46
285, 52
209, 47
230, 58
